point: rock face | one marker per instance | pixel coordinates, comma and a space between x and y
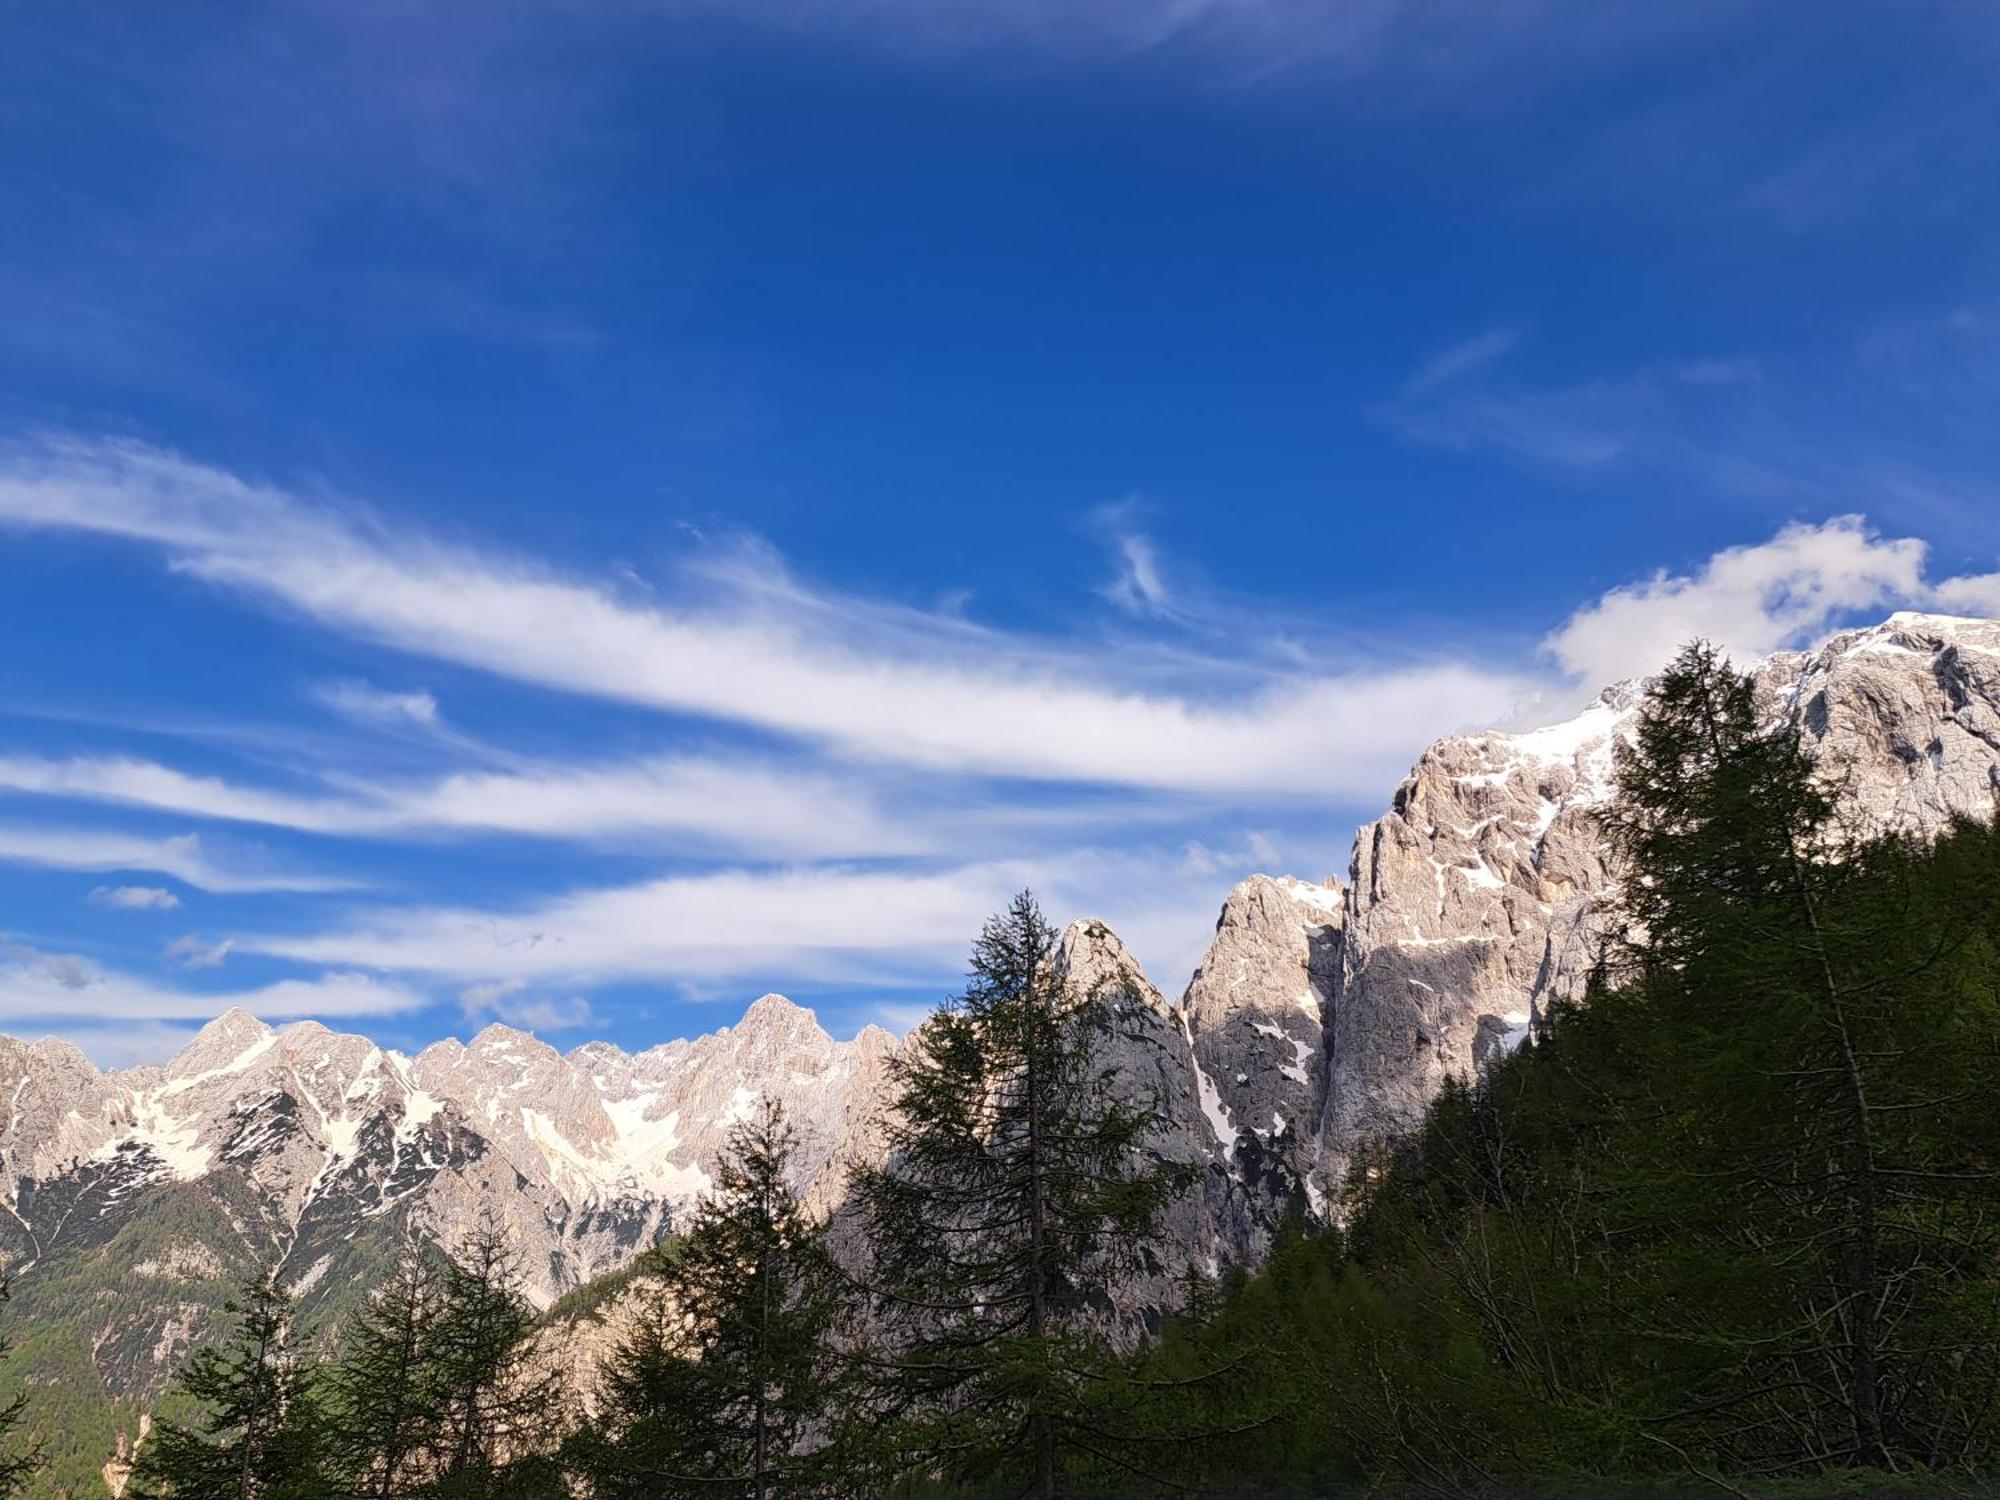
1256, 1013
1479, 896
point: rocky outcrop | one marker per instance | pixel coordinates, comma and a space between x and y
1256, 1013
1481, 895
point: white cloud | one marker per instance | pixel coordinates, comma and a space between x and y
126, 1045
744, 808
1462, 359
869, 681
35, 984
1748, 600
367, 704
503, 1002
184, 858
837, 924
198, 953
1974, 595
821, 925
134, 898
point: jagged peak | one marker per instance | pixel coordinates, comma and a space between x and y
775, 1015
224, 1041
60, 1052
233, 1024
1095, 957
498, 1036
1327, 899
773, 1006
875, 1039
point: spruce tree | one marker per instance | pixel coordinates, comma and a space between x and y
500, 1406
1800, 1013
726, 1384
19, 1461
1012, 1198
385, 1396
259, 1433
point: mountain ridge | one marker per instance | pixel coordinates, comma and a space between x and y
1322, 1016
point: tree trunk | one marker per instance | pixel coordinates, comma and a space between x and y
1861, 1270
1040, 1435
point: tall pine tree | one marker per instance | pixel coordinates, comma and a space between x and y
726, 1385
500, 1407
258, 1435
1013, 1195
1802, 1014
20, 1460
386, 1394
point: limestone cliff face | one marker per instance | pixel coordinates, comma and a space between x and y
1256, 1012
1481, 894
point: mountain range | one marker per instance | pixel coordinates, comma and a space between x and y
1323, 1015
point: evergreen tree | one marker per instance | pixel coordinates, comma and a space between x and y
499, 1406
19, 1462
1801, 1009
259, 1433
726, 1384
385, 1395
1011, 1199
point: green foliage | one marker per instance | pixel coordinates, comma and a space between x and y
1012, 1193
386, 1393
727, 1382
1735, 1216
258, 1434
499, 1408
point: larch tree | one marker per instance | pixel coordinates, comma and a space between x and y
1014, 1194
258, 1435
385, 1395
500, 1403
727, 1383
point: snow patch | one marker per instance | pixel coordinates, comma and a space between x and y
1212, 1106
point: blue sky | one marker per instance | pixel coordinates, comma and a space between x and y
581, 513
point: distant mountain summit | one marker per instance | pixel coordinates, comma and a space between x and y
1322, 1015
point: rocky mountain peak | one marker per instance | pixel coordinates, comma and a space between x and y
231, 1038
774, 1015
1096, 960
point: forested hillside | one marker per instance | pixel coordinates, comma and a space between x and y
1735, 1217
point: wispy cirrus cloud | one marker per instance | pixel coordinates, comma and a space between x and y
741, 808
185, 858
133, 898
37, 985
850, 676
367, 704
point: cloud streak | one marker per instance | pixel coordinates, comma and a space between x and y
184, 858
744, 809
866, 683
39, 985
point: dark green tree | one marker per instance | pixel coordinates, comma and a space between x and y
1014, 1195
727, 1383
20, 1461
500, 1405
1801, 1008
259, 1433
385, 1396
